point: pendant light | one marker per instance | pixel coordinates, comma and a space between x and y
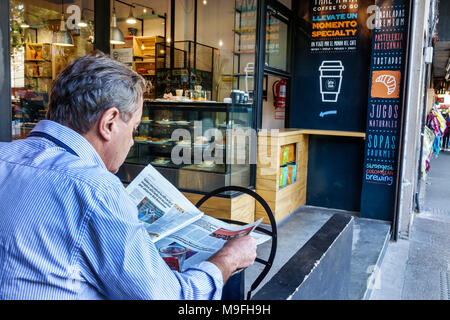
84, 21
24, 24
62, 37
131, 19
116, 35
82, 24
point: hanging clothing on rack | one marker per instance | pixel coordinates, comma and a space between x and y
437, 124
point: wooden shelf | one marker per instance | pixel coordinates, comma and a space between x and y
335, 133
285, 200
149, 44
148, 54
145, 61
31, 49
287, 132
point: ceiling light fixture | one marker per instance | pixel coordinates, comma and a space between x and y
82, 24
131, 19
24, 24
62, 37
116, 35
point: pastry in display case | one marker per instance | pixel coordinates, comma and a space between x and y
192, 144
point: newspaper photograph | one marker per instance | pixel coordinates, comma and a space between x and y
206, 236
162, 207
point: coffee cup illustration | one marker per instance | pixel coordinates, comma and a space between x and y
331, 80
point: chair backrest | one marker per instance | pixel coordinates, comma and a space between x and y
268, 264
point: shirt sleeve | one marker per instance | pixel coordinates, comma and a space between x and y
123, 264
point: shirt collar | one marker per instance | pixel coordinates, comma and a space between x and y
72, 139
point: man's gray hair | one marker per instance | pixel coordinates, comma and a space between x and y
89, 86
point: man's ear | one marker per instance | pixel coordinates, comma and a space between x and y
107, 123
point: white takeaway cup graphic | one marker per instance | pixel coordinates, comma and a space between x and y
331, 80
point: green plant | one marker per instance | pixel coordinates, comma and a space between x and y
16, 15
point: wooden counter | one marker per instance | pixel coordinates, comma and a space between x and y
283, 201
240, 208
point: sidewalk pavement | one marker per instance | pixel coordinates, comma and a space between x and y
419, 268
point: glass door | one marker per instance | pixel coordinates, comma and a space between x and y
276, 71
277, 32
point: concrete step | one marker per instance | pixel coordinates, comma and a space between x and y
370, 240
320, 270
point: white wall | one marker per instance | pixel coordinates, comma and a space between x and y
414, 111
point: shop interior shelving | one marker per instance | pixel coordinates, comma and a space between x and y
185, 65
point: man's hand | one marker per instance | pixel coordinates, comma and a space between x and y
236, 254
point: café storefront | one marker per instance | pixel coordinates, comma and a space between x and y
328, 75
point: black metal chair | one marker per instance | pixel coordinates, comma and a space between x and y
239, 278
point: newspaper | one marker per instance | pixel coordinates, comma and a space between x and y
162, 208
170, 219
205, 237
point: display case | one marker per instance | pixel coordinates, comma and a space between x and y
197, 146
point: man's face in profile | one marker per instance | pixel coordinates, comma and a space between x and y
123, 140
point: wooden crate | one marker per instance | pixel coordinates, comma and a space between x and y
145, 48
240, 208
37, 52
149, 67
282, 201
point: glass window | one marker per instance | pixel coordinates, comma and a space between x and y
276, 40
244, 45
230, 26
190, 90
45, 37
137, 27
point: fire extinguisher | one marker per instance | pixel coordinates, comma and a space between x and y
279, 93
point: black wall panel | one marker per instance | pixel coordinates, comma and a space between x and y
334, 172
5, 74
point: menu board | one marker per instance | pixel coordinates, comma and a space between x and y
334, 26
332, 65
385, 109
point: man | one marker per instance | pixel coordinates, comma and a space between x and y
67, 227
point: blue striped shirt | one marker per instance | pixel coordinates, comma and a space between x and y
69, 231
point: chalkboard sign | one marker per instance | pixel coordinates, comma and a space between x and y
331, 65
385, 108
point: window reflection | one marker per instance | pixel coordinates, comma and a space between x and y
45, 37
